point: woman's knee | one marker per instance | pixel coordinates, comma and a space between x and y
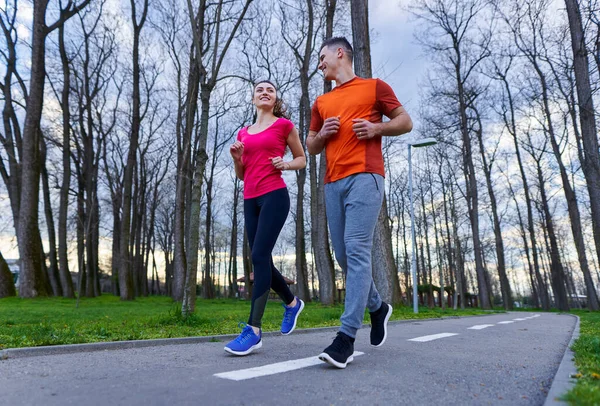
261, 261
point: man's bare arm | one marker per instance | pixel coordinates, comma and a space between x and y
400, 123
314, 143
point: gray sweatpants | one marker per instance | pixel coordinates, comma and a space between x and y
353, 204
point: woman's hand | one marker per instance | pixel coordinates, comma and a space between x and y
279, 164
236, 150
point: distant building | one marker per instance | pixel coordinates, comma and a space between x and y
13, 266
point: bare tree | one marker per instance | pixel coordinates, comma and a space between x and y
299, 29
210, 53
465, 46
556, 267
385, 274
319, 234
125, 270
505, 289
589, 134
508, 107
65, 275
28, 233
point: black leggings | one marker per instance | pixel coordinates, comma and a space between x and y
265, 216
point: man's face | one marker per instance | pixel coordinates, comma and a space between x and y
329, 61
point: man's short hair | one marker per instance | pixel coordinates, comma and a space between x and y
339, 42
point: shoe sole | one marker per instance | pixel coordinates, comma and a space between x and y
327, 358
295, 319
248, 351
385, 323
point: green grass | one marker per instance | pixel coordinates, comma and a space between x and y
54, 321
587, 360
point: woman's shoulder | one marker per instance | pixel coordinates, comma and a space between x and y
242, 132
284, 121
286, 124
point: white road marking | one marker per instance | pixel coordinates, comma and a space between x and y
433, 337
520, 319
506, 322
272, 369
480, 327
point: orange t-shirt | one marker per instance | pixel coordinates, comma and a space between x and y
368, 99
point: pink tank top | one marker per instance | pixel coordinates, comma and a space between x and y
260, 176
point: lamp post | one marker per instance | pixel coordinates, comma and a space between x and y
423, 142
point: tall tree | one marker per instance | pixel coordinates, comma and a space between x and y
385, 274
63, 261
556, 267
508, 107
589, 133
505, 289
211, 51
319, 233
125, 270
299, 29
465, 46
28, 232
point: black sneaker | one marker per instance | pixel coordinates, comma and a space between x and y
339, 353
379, 321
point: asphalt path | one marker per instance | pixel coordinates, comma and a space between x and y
504, 359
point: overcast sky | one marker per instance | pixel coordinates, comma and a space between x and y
395, 55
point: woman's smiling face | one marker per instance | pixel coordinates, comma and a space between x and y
265, 95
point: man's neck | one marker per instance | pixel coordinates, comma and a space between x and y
344, 75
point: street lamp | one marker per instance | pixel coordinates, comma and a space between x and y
423, 142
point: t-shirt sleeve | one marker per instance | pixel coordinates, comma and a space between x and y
386, 98
316, 121
239, 136
287, 128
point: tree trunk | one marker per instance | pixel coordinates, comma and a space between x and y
385, 274
208, 290
591, 163
53, 270
183, 167
65, 275
487, 169
472, 191
556, 268
188, 305
319, 233
81, 275
437, 240
125, 266
28, 232
542, 292
233, 264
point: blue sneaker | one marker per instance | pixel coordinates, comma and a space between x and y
245, 343
290, 317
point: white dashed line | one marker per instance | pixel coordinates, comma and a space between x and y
520, 319
480, 327
433, 337
506, 322
272, 369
